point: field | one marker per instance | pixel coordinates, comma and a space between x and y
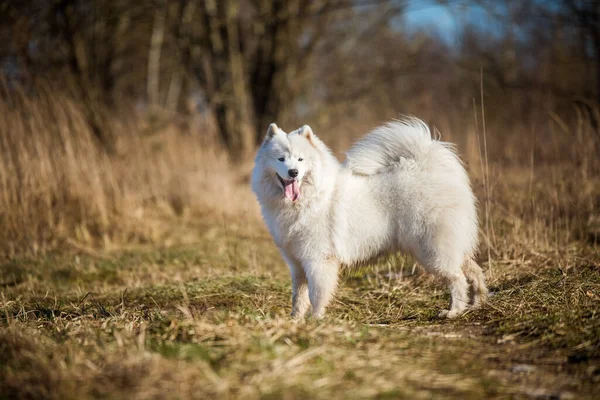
210, 319
129, 278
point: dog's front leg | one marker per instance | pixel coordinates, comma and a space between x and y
300, 301
322, 279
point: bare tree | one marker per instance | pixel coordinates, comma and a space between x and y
245, 56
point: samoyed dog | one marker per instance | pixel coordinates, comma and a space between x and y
398, 190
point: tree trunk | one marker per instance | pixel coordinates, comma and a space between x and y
85, 90
228, 90
595, 27
156, 42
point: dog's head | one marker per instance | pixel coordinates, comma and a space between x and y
288, 159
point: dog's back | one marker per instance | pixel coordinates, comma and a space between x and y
419, 173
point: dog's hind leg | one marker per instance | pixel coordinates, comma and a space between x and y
300, 301
459, 295
447, 264
474, 275
322, 282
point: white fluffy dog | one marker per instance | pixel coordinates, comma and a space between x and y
399, 189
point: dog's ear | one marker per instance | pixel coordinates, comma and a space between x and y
307, 132
272, 131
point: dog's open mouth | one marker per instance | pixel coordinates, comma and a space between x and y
291, 188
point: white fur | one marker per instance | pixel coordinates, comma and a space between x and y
398, 190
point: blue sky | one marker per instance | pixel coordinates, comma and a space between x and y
431, 16
446, 21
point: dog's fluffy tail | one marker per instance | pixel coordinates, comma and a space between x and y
398, 142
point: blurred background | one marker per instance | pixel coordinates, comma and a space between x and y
116, 114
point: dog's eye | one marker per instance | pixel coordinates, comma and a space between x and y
301, 159
282, 159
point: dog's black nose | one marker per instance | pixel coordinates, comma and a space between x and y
293, 173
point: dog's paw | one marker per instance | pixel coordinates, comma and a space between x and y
317, 316
296, 317
449, 314
477, 304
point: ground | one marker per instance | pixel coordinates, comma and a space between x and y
210, 318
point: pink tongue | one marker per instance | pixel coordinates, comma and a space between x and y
292, 190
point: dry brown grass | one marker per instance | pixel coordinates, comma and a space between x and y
148, 274
57, 184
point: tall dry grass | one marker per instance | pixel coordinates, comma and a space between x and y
58, 186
